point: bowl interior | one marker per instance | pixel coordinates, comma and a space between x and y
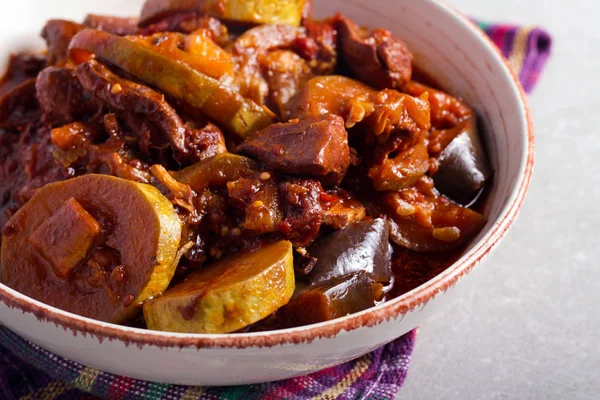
447, 47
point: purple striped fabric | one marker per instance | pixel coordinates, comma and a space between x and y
28, 371
527, 49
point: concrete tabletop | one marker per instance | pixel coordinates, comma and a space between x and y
527, 326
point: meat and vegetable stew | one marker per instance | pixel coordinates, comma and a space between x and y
221, 167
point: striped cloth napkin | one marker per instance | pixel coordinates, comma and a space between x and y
30, 372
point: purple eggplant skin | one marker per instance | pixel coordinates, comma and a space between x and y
310, 305
341, 296
361, 246
464, 167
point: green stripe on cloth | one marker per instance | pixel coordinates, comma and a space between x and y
86, 379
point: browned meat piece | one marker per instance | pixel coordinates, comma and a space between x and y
117, 25
342, 209
62, 98
303, 262
247, 76
319, 46
188, 23
64, 249
261, 70
19, 106
156, 10
285, 73
127, 96
259, 201
303, 211
315, 146
58, 34
316, 43
378, 59
143, 133
267, 37
205, 143
21, 67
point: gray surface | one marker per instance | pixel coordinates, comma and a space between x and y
528, 325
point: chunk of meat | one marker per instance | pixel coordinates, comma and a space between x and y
259, 201
315, 146
285, 73
247, 77
62, 98
264, 38
378, 59
303, 211
425, 221
204, 143
117, 25
319, 46
65, 238
342, 209
127, 96
303, 262
188, 23
212, 215
155, 10
58, 34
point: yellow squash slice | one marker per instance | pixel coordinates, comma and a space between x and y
227, 296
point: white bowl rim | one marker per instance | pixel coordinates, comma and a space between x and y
394, 308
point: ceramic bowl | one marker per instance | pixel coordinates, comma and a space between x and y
455, 53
